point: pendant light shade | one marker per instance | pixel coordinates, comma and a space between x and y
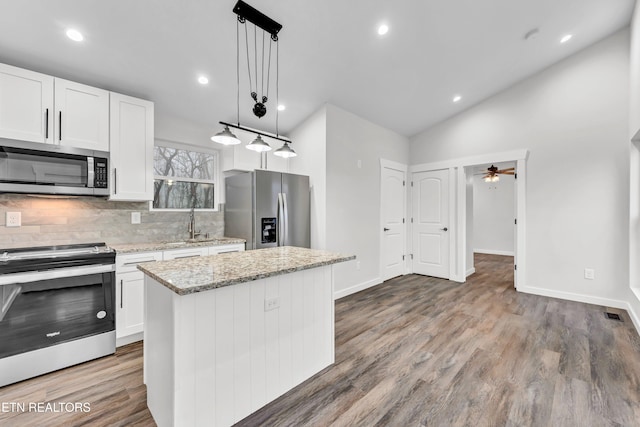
259, 145
285, 151
225, 137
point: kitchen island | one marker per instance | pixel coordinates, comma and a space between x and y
226, 334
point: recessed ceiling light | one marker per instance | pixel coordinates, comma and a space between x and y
281, 107
203, 80
383, 29
566, 38
457, 98
74, 35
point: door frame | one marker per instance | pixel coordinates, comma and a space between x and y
458, 208
384, 163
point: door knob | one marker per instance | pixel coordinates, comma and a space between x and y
385, 229
444, 229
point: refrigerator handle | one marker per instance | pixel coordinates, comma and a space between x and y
280, 220
286, 219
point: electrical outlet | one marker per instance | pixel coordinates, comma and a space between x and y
359, 164
589, 273
271, 303
135, 217
13, 219
357, 265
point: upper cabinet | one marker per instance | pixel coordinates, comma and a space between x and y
26, 105
40, 108
238, 158
81, 116
131, 148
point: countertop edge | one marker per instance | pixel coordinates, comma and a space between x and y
244, 279
126, 248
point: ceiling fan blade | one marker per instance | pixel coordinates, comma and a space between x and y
505, 170
507, 173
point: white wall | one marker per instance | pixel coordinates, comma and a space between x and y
310, 142
494, 208
573, 117
346, 198
634, 132
353, 193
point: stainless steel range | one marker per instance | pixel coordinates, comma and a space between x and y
57, 308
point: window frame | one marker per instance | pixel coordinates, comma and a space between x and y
216, 174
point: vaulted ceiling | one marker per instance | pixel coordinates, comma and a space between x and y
330, 51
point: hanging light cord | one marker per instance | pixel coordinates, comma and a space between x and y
238, 69
277, 81
246, 40
255, 52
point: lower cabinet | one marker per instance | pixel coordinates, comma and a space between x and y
130, 295
130, 286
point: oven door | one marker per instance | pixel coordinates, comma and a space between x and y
41, 309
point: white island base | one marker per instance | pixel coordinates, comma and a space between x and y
212, 358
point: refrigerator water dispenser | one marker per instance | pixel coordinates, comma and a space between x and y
268, 230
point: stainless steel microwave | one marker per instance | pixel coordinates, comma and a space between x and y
35, 168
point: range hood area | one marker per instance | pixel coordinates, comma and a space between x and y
39, 168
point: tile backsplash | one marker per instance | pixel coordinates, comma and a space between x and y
61, 221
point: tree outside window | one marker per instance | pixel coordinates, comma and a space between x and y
184, 179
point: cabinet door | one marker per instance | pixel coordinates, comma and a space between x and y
82, 116
131, 148
130, 304
26, 105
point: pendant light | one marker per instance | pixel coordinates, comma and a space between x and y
226, 137
258, 90
285, 151
259, 145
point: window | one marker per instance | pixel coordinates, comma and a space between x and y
184, 178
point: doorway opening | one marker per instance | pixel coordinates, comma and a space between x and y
491, 213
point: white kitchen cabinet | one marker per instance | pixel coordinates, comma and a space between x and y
130, 295
185, 253
81, 116
223, 249
239, 158
131, 134
130, 285
26, 105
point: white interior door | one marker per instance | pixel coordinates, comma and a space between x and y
393, 217
430, 230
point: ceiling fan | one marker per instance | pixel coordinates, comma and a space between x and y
491, 175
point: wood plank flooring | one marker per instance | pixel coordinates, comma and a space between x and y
414, 351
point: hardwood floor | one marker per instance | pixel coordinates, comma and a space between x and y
413, 351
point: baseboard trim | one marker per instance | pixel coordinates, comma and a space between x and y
129, 339
357, 288
470, 271
493, 252
588, 299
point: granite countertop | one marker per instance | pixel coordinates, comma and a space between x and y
190, 275
163, 246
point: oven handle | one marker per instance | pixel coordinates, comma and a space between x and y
34, 276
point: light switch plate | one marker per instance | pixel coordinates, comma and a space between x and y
13, 219
135, 217
589, 273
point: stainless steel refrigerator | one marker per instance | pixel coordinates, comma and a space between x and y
268, 209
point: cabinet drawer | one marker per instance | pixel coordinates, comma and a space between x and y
222, 249
185, 253
128, 262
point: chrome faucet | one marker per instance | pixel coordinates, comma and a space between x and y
192, 225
